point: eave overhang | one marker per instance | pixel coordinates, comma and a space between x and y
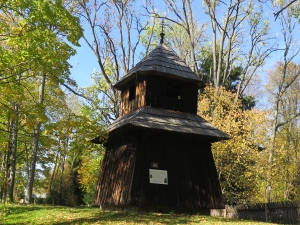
168, 121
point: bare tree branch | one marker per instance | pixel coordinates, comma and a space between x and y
287, 121
284, 8
77, 93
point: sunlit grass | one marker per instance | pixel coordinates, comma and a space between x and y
38, 214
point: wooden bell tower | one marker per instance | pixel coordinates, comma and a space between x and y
158, 153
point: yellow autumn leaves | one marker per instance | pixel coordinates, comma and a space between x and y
238, 159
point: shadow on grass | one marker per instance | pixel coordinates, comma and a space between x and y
131, 218
59, 215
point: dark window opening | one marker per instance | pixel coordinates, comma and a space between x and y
173, 90
131, 93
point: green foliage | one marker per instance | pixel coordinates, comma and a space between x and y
151, 37
205, 58
231, 82
248, 102
33, 34
71, 161
296, 11
36, 42
103, 109
89, 173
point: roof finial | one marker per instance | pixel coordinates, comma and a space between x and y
162, 32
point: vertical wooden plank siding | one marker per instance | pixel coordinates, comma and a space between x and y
191, 185
124, 102
154, 95
140, 94
113, 187
192, 176
139, 101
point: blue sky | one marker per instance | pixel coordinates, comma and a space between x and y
84, 62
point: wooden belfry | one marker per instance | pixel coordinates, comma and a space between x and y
158, 153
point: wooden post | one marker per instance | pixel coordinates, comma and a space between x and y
268, 194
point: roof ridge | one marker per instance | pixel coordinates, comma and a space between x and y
161, 60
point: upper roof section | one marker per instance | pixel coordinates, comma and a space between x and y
161, 61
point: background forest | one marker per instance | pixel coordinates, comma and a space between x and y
247, 52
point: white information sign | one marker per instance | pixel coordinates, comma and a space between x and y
158, 176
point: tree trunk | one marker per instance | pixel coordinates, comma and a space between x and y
190, 30
6, 163
61, 198
214, 35
35, 146
12, 149
13, 154
271, 154
53, 174
3, 177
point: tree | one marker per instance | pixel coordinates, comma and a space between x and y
240, 43
183, 26
115, 56
284, 7
67, 148
84, 156
33, 45
240, 19
287, 74
235, 159
283, 86
233, 80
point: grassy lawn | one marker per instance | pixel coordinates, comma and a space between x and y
38, 214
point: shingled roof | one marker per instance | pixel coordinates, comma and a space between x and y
166, 120
162, 60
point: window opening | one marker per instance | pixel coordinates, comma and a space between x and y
173, 90
131, 93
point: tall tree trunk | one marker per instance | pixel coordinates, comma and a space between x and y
62, 199
4, 168
270, 166
13, 154
2, 172
190, 31
12, 149
27, 159
214, 35
35, 145
6, 164
53, 174
291, 50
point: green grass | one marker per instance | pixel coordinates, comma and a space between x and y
38, 214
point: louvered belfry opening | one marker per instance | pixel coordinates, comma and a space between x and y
158, 153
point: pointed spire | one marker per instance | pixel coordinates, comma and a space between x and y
162, 32
162, 38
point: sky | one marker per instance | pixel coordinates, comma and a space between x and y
84, 62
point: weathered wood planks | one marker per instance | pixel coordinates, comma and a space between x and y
192, 177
